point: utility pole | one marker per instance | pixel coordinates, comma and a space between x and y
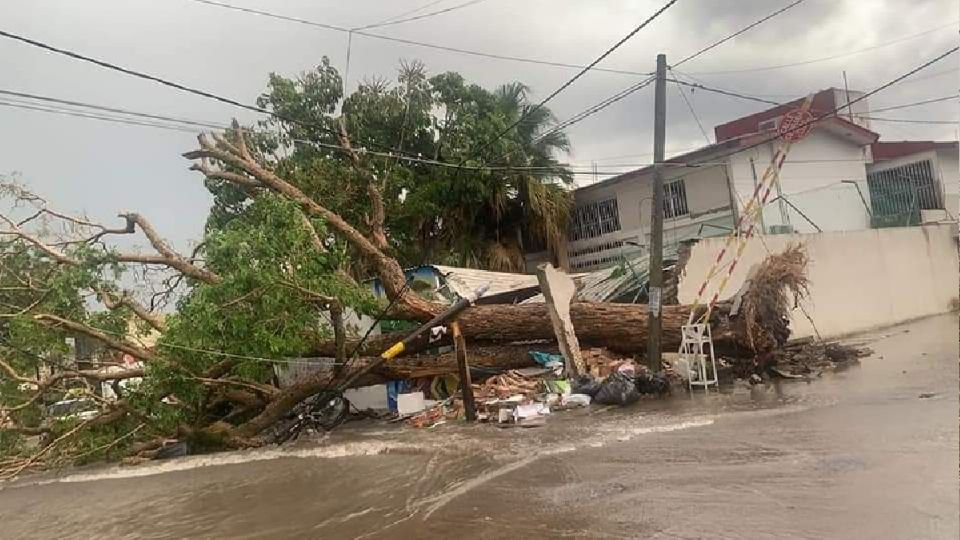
656, 218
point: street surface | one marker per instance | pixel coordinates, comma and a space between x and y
868, 452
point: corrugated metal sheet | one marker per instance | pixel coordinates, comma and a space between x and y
626, 281
462, 281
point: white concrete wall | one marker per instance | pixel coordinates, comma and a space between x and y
812, 179
948, 166
858, 280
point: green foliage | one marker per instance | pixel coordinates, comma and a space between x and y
260, 309
466, 217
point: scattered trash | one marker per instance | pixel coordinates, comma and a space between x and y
586, 384
576, 400
617, 389
412, 403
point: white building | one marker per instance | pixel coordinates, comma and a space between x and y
822, 186
914, 182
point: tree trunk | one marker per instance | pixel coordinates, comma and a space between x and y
618, 327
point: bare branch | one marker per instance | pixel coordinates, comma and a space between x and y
114, 343
125, 300
378, 213
15, 230
234, 178
168, 256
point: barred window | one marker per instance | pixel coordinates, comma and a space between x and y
675, 199
594, 219
898, 189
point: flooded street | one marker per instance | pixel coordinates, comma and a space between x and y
869, 452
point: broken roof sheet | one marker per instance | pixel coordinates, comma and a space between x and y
462, 281
623, 282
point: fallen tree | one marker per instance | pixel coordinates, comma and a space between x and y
276, 258
754, 322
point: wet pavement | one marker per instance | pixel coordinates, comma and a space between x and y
868, 452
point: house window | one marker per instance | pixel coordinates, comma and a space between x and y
594, 219
674, 199
903, 189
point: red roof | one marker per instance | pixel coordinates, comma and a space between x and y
823, 103
883, 151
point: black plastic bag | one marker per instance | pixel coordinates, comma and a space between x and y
653, 383
585, 384
617, 389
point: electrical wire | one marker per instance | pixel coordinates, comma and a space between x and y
624, 93
582, 72
833, 112
186, 121
738, 32
419, 17
826, 58
78, 114
693, 113
911, 121
725, 92
411, 11
916, 103
410, 41
177, 86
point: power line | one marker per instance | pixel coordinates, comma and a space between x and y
541, 170
411, 11
344, 29
627, 91
78, 114
583, 115
826, 58
911, 121
916, 103
845, 105
693, 113
725, 92
210, 125
175, 85
419, 17
565, 85
738, 32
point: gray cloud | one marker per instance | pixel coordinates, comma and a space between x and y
103, 168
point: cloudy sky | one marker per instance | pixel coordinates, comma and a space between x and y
101, 168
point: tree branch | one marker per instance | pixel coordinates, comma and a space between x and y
15, 230
390, 272
167, 256
112, 342
137, 308
378, 214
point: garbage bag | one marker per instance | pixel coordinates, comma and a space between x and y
652, 383
617, 389
586, 384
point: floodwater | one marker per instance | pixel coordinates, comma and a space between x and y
869, 452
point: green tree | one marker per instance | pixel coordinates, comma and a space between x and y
483, 218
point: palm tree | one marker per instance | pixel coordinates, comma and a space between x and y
532, 203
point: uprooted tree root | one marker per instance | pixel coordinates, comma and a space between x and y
778, 286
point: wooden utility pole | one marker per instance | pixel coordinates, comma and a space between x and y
656, 218
466, 385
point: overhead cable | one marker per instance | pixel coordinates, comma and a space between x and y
827, 58
419, 17
573, 79
737, 33
363, 33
